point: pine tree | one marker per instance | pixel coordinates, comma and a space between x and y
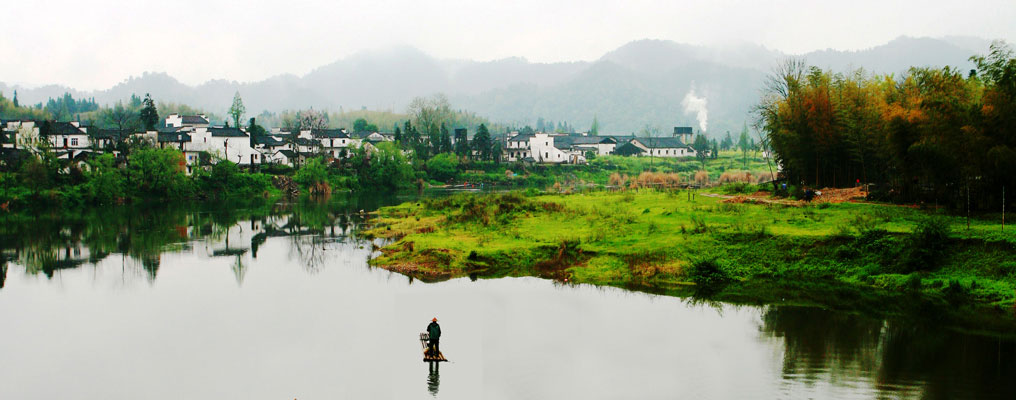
744, 145
434, 137
727, 142
701, 146
461, 142
237, 109
16, 105
446, 139
595, 129
481, 143
149, 113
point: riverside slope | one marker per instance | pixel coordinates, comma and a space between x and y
873, 258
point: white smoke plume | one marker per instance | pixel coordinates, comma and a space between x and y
696, 105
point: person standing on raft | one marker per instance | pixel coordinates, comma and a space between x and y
434, 332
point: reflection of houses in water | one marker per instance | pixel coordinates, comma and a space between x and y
310, 232
50, 259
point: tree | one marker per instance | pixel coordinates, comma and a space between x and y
398, 135
461, 143
386, 167
123, 119
481, 143
434, 139
28, 139
445, 141
701, 146
360, 125
727, 142
312, 173
105, 180
256, 131
237, 109
744, 145
149, 114
157, 173
433, 110
16, 105
443, 167
594, 130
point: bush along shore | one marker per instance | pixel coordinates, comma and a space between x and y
882, 259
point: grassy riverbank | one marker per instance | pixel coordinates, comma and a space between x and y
839, 255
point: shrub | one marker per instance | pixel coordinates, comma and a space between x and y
444, 167
312, 172
735, 176
702, 178
707, 272
738, 188
927, 244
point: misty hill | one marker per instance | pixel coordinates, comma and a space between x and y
643, 82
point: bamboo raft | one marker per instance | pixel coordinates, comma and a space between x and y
428, 356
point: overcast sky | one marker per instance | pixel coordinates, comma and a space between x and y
95, 44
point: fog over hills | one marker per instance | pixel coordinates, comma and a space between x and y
654, 82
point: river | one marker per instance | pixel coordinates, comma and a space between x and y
278, 302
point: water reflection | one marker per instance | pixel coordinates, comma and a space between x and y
433, 378
868, 357
46, 244
902, 357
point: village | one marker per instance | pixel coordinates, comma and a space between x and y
204, 144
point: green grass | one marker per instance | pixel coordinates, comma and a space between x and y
661, 241
599, 169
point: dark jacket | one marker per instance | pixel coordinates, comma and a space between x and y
434, 330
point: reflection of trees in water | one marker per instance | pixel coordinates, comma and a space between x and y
151, 263
47, 243
895, 353
309, 249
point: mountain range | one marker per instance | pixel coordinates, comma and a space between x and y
646, 82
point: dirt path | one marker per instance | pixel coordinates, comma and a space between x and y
828, 195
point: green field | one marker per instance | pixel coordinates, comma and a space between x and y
599, 169
848, 255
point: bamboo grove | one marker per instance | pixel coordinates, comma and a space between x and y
933, 134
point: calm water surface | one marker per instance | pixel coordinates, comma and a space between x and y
279, 303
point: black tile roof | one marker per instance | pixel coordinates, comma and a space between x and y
521, 137
628, 149
329, 133
174, 137
99, 133
662, 142
576, 140
194, 119
268, 141
683, 130
288, 153
64, 128
226, 132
